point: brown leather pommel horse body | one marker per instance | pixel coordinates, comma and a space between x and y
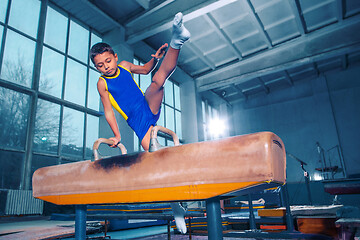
196, 171
187, 172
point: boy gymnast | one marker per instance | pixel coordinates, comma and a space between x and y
118, 89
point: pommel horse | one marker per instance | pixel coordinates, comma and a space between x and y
209, 171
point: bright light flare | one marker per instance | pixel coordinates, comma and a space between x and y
216, 127
317, 177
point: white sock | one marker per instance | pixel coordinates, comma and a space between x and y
179, 213
179, 33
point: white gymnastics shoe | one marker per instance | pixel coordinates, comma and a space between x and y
179, 213
179, 33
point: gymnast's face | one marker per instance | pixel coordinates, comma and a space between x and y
106, 63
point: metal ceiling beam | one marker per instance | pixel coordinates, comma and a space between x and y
316, 69
215, 49
144, 3
201, 35
258, 24
267, 4
278, 22
233, 19
100, 12
133, 21
288, 78
344, 62
187, 17
240, 92
340, 7
335, 40
201, 55
318, 5
248, 76
299, 19
247, 35
266, 89
200, 70
210, 19
222, 98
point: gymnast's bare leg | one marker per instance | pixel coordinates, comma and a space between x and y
155, 92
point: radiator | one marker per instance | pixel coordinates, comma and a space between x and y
22, 202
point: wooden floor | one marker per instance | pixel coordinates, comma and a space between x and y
185, 237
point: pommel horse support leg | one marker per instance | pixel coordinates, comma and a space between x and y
177, 209
209, 170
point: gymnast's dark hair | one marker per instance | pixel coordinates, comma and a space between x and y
100, 48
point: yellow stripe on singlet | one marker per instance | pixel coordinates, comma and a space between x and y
113, 102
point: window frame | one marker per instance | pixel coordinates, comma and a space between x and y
35, 94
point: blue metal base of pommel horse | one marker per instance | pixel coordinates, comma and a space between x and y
213, 216
80, 222
213, 211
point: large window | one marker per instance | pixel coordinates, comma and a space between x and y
170, 115
49, 107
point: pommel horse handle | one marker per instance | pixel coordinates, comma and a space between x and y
109, 142
154, 143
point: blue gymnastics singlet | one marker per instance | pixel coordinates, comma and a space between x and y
128, 99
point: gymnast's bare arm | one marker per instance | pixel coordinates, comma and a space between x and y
109, 112
147, 67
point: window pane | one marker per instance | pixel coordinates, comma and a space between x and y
203, 111
68, 160
52, 72
79, 40
10, 171
169, 114
92, 134
95, 39
55, 29
1, 32
178, 124
136, 143
3, 7
93, 95
42, 161
170, 143
72, 133
161, 141
136, 76
18, 59
145, 81
161, 118
210, 113
24, 16
14, 110
177, 97
75, 83
169, 95
47, 127
215, 113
